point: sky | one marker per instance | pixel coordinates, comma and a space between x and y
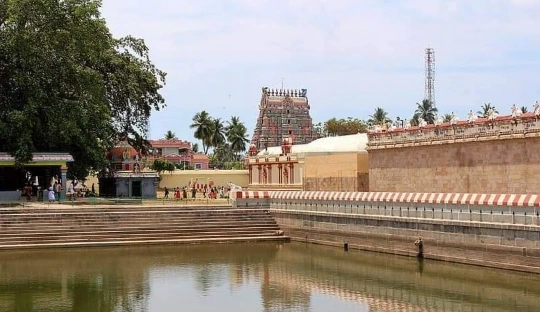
351, 55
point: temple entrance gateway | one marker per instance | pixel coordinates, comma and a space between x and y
136, 188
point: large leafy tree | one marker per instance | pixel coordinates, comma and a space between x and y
67, 85
236, 133
426, 110
202, 123
342, 126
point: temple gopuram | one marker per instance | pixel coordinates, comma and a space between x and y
283, 114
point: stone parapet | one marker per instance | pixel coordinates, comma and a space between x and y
464, 199
521, 209
482, 129
250, 199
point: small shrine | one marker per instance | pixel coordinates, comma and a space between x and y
127, 175
44, 171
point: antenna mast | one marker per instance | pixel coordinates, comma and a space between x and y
147, 135
430, 76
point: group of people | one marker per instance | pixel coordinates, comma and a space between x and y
207, 192
52, 193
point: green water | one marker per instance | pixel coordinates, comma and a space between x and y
252, 277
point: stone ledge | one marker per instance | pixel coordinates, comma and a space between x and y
502, 226
481, 258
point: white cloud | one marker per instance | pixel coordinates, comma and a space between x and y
371, 50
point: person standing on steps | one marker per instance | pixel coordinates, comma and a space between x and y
51, 194
166, 193
58, 190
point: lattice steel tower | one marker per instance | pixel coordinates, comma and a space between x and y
430, 76
146, 130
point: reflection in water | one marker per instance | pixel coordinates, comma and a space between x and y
252, 277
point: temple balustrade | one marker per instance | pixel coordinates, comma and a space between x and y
519, 209
275, 171
481, 129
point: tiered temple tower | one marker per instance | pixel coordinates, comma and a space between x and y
283, 114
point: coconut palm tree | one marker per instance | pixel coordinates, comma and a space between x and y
217, 133
236, 133
414, 120
202, 123
195, 147
379, 117
484, 110
426, 110
447, 117
170, 135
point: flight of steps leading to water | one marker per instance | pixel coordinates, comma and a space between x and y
70, 227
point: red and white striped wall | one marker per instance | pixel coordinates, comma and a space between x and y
531, 200
251, 195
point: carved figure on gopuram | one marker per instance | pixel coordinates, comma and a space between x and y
286, 145
253, 150
283, 113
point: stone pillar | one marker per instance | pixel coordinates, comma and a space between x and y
63, 174
259, 169
269, 173
250, 179
291, 173
280, 174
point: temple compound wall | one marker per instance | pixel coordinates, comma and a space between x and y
336, 172
201, 178
497, 155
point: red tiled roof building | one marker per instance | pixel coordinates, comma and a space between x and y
178, 152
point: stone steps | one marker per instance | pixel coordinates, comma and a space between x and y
132, 225
26, 228
100, 239
34, 213
141, 219
64, 237
92, 210
53, 217
184, 229
158, 241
